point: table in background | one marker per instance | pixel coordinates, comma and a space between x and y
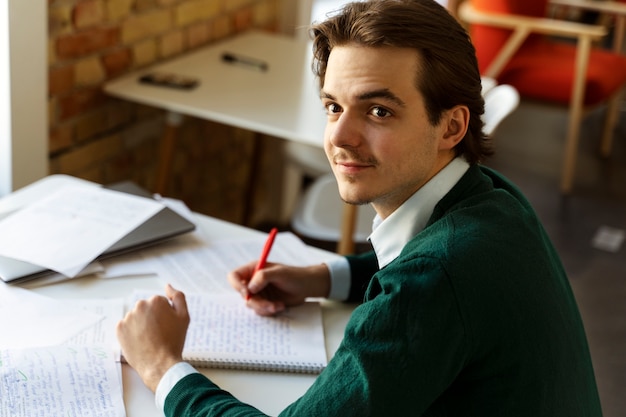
269, 391
281, 101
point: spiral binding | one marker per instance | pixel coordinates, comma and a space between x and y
258, 365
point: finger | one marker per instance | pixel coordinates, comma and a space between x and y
235, 281
260, 280
171, 292
239, 278
264, 307
120, 328
177, 299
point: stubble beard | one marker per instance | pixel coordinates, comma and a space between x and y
352, 180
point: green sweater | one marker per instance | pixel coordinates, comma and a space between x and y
474, 318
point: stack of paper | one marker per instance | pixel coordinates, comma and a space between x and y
68, 229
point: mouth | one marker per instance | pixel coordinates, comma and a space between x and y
351, 165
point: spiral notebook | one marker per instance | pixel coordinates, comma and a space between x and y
224, 333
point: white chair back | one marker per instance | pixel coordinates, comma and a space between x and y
500, 101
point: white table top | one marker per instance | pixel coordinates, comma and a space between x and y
282, 101
268, 391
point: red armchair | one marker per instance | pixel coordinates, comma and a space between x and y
515, 43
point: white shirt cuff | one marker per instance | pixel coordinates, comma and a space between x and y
339, 269
169, 379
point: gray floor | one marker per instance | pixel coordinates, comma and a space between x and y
529, 145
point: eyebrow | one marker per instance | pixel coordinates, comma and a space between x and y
383, 93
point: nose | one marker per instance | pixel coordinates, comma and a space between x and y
343, 132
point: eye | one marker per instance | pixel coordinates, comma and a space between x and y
332, 108
380, 112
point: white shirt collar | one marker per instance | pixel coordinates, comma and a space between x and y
391, 235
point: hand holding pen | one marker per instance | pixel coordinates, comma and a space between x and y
278, 286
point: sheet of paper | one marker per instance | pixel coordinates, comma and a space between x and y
52, 278
71, 227
143, 262
132, 264
103, 332
192, 265
177, 206
30, 319
226, 325
60, 381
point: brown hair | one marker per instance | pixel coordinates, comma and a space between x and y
448, 74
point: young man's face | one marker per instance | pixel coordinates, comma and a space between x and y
378, 139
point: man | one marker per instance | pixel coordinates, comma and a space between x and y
466, 309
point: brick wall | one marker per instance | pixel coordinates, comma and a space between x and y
102, 139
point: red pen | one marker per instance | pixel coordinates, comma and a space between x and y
266, 251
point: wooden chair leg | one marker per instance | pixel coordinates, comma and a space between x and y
251, 183
575, 114
571, 151
614, 105
609, 125
168, 141
345, 246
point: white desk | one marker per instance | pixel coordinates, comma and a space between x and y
270, 392
282, 101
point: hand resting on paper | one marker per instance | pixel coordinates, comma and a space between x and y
152, 335
278, 286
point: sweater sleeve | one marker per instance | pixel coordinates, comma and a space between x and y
197, 396
362, 269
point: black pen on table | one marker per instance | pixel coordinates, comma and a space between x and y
266, 251
246, 61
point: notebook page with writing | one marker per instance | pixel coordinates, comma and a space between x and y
60, 381
224, 333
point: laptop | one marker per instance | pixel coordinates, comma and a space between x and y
164, 225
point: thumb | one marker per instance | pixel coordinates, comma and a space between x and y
258, 281
177, 298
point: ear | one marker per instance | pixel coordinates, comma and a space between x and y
454, 124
